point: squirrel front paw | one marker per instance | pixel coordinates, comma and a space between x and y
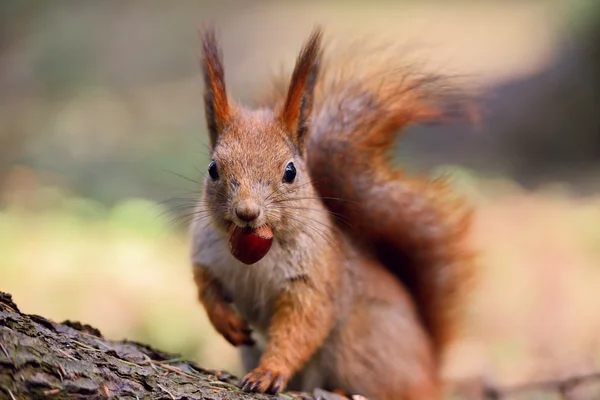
264, 380
230, 325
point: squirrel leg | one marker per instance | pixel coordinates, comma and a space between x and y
220, 313
301, 321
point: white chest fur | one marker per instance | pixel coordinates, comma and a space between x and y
253, 288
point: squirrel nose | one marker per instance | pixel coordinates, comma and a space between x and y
247, 211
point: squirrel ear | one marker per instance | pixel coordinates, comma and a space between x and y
299, 100
215, 95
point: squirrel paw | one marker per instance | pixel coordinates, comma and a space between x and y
263, 380
229, 324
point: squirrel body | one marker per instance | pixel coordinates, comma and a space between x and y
360, 289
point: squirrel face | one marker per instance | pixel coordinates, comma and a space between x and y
257, 176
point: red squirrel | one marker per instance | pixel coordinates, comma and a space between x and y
326, 264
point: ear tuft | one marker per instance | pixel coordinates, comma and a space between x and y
299, 101
215, 95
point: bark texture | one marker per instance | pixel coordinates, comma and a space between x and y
40, 359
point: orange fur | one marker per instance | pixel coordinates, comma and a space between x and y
301, 321
215, 95
298, 103
363, 286
220, 314
417, 227
380, 349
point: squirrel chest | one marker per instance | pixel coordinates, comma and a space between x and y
252, 288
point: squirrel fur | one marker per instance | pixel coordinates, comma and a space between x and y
363, 287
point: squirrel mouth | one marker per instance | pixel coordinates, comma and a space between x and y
250, 245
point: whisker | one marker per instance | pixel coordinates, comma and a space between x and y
303, 230
337, 216
207, 148
195, 217
322, 234
172, 212
212, 221
323, 210
316, 198
199, 208
314, 220
196, 198
201, 173
290, 190
182, 176
178, 210
198, 205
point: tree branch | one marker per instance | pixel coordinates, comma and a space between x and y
43, 359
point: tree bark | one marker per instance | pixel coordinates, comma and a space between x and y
40, 359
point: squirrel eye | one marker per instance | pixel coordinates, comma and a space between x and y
212, 171
290, 173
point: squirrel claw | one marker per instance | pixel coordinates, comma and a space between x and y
263, 380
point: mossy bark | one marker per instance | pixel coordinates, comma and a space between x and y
42, 359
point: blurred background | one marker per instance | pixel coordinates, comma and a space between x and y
102, 134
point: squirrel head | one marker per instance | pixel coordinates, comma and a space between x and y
257, 175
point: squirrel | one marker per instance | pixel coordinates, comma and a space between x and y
323, 262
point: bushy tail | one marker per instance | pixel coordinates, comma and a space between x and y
415, 226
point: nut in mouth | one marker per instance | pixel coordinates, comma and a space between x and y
250, 245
